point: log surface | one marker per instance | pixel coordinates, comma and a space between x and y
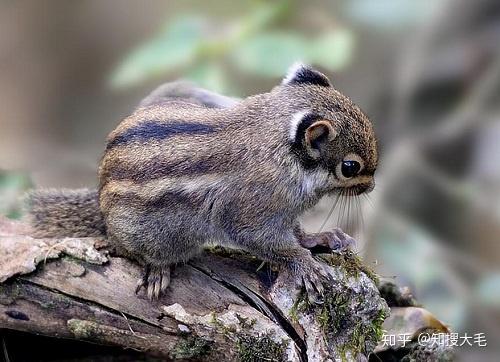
222, 306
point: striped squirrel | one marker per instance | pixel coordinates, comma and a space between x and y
195, 168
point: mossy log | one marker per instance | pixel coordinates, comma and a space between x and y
222, 306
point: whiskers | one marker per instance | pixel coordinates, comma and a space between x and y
332, 209
348, 206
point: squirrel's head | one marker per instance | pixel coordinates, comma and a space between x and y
328, 132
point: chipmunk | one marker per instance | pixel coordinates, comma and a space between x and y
184, 171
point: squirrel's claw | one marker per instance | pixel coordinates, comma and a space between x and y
155, 280
158, 281
143, 282
312, 278
314, 288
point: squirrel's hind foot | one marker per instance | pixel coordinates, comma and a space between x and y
313, 277
155, 280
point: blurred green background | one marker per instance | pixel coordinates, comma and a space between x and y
426, 72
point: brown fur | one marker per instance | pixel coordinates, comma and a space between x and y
65, 213
177, 175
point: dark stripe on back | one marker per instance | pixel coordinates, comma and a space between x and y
158, 168
174, 201
151, 130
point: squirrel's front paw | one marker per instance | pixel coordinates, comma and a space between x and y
335, 240
155, 280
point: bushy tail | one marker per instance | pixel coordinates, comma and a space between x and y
187, 92
64, 212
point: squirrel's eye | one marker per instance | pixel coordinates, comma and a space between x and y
350, 168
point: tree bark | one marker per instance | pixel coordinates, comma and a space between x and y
222, 306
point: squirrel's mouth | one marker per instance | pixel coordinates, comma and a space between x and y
361, 189
355, 190
362, 186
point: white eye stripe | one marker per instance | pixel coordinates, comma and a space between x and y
294, 124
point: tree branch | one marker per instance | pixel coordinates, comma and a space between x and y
220, 304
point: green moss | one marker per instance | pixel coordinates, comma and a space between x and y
83, 329
301, 304
334, 317
377, 325
245, 322
262, 348
330, 314
249, 347
363, 335
333, 312
350, 263
213, 319
191, 347
226, 330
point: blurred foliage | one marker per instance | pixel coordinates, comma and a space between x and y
12, 187
197, 46
271, 54
390, 13
488, 289
425, 269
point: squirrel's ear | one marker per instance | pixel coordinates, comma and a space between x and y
317, 136
311, 133
304, 74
